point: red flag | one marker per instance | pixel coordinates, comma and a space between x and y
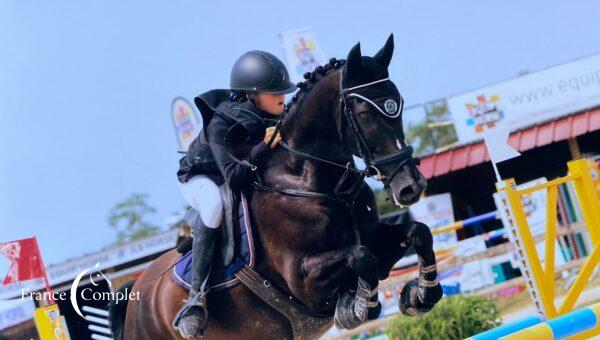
26, 260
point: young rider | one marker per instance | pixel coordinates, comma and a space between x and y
233, 119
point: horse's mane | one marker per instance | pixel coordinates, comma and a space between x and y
311, 79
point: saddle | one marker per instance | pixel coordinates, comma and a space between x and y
234, 248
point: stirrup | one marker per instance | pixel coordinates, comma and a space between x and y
198, 300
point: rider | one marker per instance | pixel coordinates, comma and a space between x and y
232, 119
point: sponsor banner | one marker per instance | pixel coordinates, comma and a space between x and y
302, 52
436, 212
185, 120
527, 100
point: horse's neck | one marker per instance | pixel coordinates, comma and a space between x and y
281, 228
313, 119
312, 128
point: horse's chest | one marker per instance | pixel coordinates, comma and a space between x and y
329, 228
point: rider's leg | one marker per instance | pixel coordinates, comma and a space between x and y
203, 195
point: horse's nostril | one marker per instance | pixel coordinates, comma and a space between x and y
407, 191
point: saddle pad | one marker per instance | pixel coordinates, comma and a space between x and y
222, 278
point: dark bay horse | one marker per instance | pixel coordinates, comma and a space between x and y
316, 225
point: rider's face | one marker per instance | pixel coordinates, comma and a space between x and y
270, 103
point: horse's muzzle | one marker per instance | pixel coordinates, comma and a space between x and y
407, 186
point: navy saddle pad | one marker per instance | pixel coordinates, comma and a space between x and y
222, 278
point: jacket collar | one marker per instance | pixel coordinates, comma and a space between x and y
219, 101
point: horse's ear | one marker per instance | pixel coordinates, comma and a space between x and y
353, 61
384, 56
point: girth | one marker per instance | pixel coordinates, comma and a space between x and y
305, 324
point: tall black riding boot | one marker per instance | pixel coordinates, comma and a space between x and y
192, 319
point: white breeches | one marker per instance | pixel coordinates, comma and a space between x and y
203, 195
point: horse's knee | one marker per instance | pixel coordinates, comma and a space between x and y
420, 235
365, 264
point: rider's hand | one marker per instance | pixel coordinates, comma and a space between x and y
269, 133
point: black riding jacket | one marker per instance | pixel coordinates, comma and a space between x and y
229, 127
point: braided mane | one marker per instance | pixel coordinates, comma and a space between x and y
311, 78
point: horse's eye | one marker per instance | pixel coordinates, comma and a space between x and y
364, 114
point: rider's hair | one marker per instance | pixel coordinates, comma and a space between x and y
237, 96
252, 97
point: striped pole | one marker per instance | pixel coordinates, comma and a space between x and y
466, 222
580, 324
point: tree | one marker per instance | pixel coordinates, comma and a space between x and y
129, 219
454, 317
421, 138
434, 132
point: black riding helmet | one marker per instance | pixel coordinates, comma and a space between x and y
259, 71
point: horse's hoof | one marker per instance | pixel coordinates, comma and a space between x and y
344, 313
416, 301
432, 295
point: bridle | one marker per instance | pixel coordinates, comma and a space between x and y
373, 163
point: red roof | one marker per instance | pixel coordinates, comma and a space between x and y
546, 133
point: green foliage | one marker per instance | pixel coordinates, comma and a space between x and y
435, 131
384, 205
129, 219
420, 137
455, 317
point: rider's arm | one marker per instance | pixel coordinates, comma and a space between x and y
237, 175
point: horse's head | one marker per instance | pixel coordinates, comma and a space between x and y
373, 111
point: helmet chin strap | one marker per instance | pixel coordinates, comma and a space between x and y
252, 97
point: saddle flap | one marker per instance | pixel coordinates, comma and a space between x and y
236, 250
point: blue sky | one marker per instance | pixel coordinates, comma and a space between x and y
86, 87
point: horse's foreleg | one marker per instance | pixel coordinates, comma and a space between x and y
326, 271
419, 295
